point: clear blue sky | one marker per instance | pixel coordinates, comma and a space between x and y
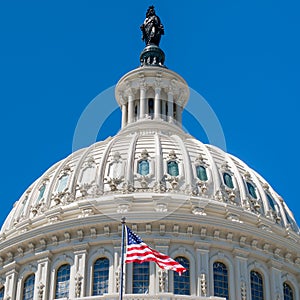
242, 56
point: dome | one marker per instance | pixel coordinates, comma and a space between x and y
150, 158
103, 177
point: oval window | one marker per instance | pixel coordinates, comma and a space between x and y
228, 180
201, 173
173, 168
143, 167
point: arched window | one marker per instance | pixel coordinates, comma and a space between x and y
28, 288
143, 167
182, 285
2, 293
100, 276
287, 292
257, 286
62, 281
41, 193
271, 201
201, 173
140, 278
228, 180
220, 280
251, 190
173, 168
62, 183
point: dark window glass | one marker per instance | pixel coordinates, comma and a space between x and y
182, 285
100, 278
140, 280
228, 180
251, 190
143, 167
173, 168
257, 287
290, 220
62, 281
271, 202
287, 292
2, 293
201, 173
28, 288
151, 107
220, 280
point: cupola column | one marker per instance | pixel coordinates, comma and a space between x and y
142, 102
178, 114
157, 111
130, 108
170, 106
124, 115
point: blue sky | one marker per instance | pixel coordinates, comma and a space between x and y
241, 56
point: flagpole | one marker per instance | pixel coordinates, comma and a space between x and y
123, 221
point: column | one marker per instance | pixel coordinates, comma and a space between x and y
179, 114
240, 286
11, 284
124, 115
115, 287
202, 270
130, 108
157, 111
163, 110
42, 279
80, 272
276, 287
142, 102
170, 106
161, 276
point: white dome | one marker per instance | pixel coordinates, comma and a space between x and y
103, 177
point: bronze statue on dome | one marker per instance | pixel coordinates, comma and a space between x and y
152, 28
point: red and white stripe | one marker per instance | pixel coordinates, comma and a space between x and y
142, 252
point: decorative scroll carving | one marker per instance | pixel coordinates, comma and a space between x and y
162, 276
203, 284
243, 290
41, 287
78, 284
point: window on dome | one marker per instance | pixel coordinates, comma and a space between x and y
140, 278
220, 272
271, 201
201, 173
182, 285
173, 168
151, 107
62, 281
251, 190
41, 192
288, 293
28, 288
257, 287
62, 183
2, 293
290, 220
143, 167
228, 180
100, 276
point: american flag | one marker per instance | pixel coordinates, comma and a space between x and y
138, 251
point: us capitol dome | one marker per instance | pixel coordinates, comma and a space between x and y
194, 202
